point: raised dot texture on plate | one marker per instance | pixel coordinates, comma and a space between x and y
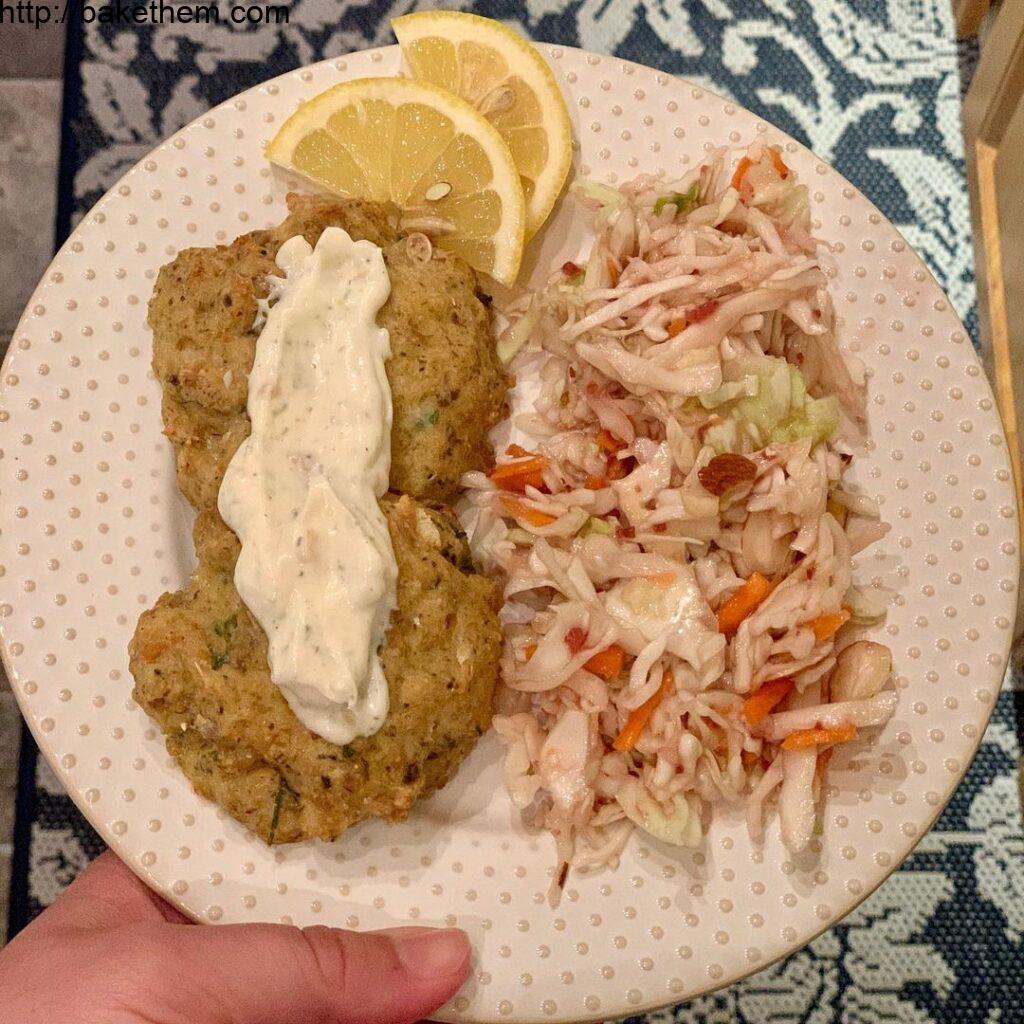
635, 958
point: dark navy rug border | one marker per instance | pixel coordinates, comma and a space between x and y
26, 804
24, 815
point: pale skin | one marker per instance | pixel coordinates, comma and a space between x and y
109, 951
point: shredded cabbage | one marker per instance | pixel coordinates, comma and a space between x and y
678, 827
682, 201
604, 195
516, 336
520, 536
599, 526
698, 325
818, 420
776, 409
866, 608
731, 390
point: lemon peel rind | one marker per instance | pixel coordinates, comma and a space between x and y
313, 114
457, 25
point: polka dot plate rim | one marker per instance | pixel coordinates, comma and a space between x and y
93, 530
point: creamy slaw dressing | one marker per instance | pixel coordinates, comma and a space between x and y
317, 569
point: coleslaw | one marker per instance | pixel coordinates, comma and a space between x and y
675, 533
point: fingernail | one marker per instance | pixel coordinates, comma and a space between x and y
432, 954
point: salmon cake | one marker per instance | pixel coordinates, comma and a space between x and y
448, 386
199, 657
199, 660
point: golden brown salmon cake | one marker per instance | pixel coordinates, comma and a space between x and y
448, 387
199, 658
200, 665
204, 303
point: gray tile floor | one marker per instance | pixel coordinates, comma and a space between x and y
30, 91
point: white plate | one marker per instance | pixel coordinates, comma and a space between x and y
94, 530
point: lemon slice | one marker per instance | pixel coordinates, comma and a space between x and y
508, 81
422, 148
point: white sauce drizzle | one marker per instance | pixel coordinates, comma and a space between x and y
317, 569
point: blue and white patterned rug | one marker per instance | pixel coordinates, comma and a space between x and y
873, 86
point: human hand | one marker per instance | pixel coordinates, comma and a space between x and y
109, 951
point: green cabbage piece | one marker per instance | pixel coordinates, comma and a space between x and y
866, 608
729, 392
682, 201
606, 195
777, 409
595, 525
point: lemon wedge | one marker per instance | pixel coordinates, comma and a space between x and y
424, 149
506, 79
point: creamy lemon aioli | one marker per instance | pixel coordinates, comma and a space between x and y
317, 569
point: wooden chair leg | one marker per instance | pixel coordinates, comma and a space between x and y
968, 15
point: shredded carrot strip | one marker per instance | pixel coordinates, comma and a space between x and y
608, 442
738, 175
743, 603
616, 469
826, 626
638, 719
677, 326
595, 483
607, 663
519, 452
520, 481
531, 650
520, 466
777, 162
764, 700
663, 579
613, 270
819, 737
532, 515
516, 476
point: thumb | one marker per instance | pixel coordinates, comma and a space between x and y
274, 974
